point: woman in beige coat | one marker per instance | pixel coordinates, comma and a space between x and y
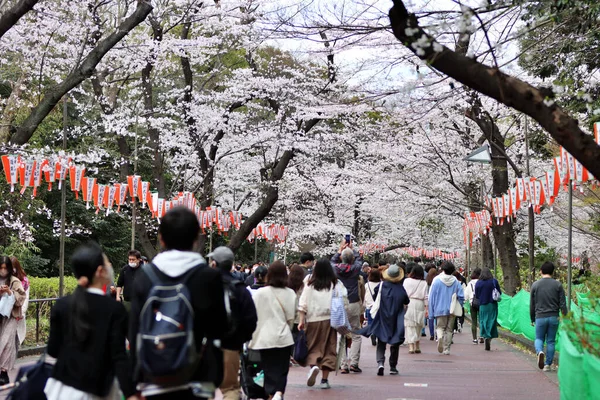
11, 290
276, 310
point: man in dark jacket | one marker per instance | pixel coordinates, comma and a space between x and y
127, 277
178, 232
347, 266
243, 313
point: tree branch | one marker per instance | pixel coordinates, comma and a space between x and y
511, 91
14, 14
267, 204
84, 71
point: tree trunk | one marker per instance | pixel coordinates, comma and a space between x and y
487, 252
504, 235
79, 74
513, 92
267, 204
153, 133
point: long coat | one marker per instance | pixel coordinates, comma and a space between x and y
388, 324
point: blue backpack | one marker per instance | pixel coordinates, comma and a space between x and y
167, 353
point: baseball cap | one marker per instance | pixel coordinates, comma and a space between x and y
221, 253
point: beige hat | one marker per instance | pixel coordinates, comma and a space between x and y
393, 274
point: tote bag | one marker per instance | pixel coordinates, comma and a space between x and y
455, 307
339, 319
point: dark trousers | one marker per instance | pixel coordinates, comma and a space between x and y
432, 327
474, 322
276, 366
394, 349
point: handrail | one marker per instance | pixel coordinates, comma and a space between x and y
43, 300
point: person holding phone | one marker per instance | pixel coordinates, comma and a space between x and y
11, 290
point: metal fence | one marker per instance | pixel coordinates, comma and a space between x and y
39, 304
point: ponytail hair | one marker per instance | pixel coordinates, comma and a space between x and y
85, 261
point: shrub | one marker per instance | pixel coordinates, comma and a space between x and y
46, 288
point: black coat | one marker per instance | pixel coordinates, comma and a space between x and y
91, 367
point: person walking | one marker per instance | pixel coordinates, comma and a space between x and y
431, 274
21, 321
315, 319
373, 281
179, 264
307, 262
443, 288
460, 321
348, 266
11, 291
296, 283
127, 277
416, 287
488, 307
260, 279
276, 309
469, 296
242, 312
87, 336
547, 301
388, 318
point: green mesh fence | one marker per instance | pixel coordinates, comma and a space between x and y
579, 370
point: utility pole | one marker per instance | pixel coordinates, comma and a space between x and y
133, 202
63, 206
531, 274
570, 246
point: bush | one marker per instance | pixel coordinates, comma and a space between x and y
46, 288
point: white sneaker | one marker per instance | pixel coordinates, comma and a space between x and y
277, 396
446, 352
541, 359
312, 376
547, 368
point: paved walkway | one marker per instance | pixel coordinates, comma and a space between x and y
468, 373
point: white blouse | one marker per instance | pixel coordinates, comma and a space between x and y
317, 303
276, 311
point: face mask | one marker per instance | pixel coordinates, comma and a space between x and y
133, 265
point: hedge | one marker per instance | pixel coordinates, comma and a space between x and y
46, 288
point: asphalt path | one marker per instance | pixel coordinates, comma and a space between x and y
469, 372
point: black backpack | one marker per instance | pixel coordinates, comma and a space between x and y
241, 316
167, 352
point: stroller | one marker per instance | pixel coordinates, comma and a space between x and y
250, 373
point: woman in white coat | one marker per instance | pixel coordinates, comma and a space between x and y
416, 289
276, 310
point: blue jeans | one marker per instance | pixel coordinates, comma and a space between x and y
431, 327
545, 331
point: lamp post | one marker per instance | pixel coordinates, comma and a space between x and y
483, 156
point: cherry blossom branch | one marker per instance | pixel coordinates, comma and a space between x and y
536, 102
81, 73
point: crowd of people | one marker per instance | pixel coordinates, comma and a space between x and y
181, 327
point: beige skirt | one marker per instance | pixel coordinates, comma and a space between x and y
321, 339
8, 342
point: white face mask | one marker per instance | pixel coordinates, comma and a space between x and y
133, 265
